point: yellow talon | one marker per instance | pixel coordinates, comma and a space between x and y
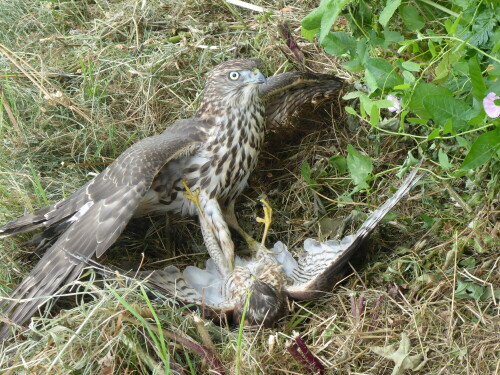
193, 197
267, 220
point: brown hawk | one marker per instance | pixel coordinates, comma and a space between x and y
266, 281
212, 152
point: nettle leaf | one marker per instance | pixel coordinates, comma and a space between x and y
388, 11
483, 28
381, 74
422, 90
445, 108
483, 148
360, 167
411, 18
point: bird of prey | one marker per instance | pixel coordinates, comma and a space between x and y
258, 288
211, 153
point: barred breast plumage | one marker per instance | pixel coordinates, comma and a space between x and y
220, 169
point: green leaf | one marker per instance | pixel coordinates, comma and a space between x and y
482, 149
332, 10
444, 108
422, 90
428, 220
388, 11
381, 74
305, 172
357, 64
444, 68
404, 86
469, 290
443, 160
432, 48
411, 66
448, 126
433, 134
391, 37
353, 95
309, 34
408, 77
478, 86
339, 43
313, 20
375, 115
411, 18
351, 111
360, 167
339, 163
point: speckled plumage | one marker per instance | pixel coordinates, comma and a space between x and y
267, 280
215, 151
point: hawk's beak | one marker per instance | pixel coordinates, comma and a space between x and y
258, 77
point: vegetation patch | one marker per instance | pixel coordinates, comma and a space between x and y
80, 81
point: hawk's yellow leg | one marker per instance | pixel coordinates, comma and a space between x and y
193, 197
214, 228
255, 246
267, 220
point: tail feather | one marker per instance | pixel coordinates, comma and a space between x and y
47, 216
51, 272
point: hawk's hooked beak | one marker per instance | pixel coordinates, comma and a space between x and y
258, 77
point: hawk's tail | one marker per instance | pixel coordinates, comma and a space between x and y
47, 216
56, 268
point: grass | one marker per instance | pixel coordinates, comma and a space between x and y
82, 81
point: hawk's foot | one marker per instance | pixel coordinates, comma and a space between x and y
267, 220
193, 197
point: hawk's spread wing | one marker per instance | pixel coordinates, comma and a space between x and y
284, 93
93, 217
316, 271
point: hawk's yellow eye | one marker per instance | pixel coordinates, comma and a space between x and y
233, 76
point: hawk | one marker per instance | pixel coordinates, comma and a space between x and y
212, 153
258, 288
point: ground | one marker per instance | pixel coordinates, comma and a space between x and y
83, 80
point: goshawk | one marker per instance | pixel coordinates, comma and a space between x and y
212, 152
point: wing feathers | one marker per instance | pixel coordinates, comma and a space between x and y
284, 93
94, 216
318, 269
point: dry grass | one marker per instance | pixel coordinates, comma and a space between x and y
81, 81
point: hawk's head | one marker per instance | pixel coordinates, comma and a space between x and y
233, 82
